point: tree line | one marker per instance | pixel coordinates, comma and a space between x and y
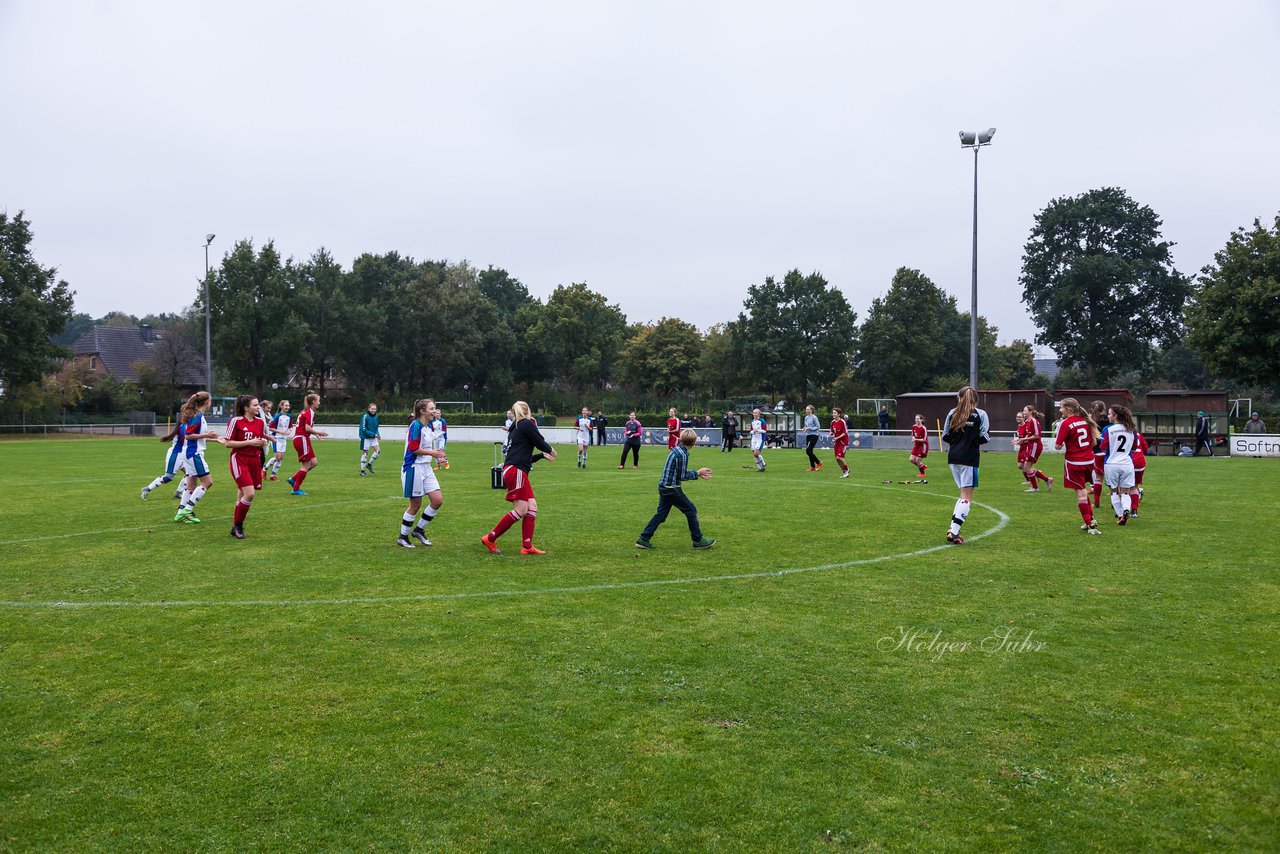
1097, 278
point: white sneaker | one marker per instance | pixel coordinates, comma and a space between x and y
145, 491
1031, 489
421, 537
403, 542
844, 474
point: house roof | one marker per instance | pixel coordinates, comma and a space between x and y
120, 347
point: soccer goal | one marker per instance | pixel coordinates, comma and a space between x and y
456, 405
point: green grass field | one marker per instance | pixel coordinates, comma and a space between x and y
165, 687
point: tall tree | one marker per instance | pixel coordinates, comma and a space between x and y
34, 306
796, 334
377, 350
581, 334
1234, 315
911, 335
661, 356
718, 373
319, 298
1100, 283
256, 335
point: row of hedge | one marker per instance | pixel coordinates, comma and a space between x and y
492, 419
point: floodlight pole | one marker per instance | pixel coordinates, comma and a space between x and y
208, 351
973, 302
975, 141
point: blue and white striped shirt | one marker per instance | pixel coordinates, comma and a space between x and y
676, 469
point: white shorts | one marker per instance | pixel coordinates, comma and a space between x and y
281, 445
195, 466
174, 458
1119, 475
965, 475
757, 442
584, 439
370, 444
419, 481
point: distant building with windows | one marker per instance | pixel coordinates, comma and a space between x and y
1048, 367
120, 351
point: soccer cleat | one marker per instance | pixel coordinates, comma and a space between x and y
643, 543
371, 471
818, 467
491, 544
811, 468
1032, 489
704, 543
403, 542
1093, 529
289, 481
845, 474
421, 537
955, 539
1049, 486
145, 491
363, 473
531, 550
273, 477
181, 514
237, 532
178, 495
297, 492
1124, 520
446, 465
191, 518
620, 468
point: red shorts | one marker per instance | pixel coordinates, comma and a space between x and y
919, 449
1077, 476
302, 445
672, 441
247, 471
1034, 450
517, 484
840, 448
1022, 453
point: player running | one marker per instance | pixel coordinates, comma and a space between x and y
840, 439
1117, 447
919, 445
967, 432
584, 425
199, 481
1031, 447
172, 460
1077, 434
525, 439
280, 432
758, 433
673, 429
303, 443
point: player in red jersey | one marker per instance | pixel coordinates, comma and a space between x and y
302, 441
1098, 411
919, 444
1077, 434
840, 439
246, 437
1032, 446
1019, 433
1139, 468
673, 429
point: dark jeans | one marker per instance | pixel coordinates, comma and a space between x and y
668, 498
634, 447
726, 442
809, 444
600, 437
1202, 443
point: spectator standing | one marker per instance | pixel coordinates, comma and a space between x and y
631, 433
883, 420
1202, 434
811, 428
601, 423
728, 432
1255, 425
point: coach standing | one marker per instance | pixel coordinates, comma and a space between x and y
631, 434
728, 432
601, 424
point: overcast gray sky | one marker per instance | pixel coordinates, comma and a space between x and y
668, 154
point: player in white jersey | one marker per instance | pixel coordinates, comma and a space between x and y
1117, 443
584, 425
417, 478
758, 432
173, 459
440, 431
282, 434
197, 431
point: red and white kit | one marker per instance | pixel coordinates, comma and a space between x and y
246, 462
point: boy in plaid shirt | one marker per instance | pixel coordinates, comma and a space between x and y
671, 494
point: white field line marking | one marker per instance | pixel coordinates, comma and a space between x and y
163, 520
1001, 522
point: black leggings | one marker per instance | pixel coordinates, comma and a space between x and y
635, 453
809, 444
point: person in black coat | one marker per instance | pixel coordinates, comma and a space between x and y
601, 424
1202, 434
728, 431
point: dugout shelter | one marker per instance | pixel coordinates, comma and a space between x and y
1168, 417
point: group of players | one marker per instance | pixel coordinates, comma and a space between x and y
1100, 446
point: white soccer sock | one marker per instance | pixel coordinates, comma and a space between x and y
1126, 503
406, 524
158, 482
958, 515
197, 495
1116, 503
375, 454
427, 515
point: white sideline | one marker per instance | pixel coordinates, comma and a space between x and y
1002, 521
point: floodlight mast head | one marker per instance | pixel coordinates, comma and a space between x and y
208, 238
973, 139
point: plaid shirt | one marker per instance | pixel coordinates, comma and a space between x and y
676, 469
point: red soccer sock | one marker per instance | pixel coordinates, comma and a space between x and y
1029, 478
1041, 475
1086, 511
242, 510
1097, 493
507, 520
1134, 497
526, 528
298, 477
